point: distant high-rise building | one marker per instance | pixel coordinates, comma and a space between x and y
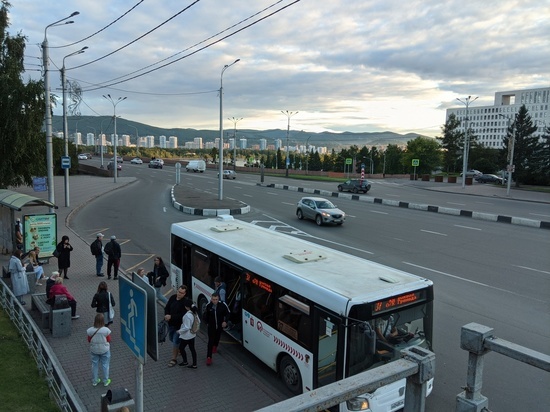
90, 139
150, 141
173, 142
162, 142
490, 123
263, 144
198, 142
242, 143
125, 140
231, 143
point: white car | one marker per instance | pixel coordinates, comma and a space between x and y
136, 161
82, 156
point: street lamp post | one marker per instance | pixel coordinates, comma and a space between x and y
288, 115
137, 137
235, 121
101, 143
114, 102
48, 114
511, 141
466, 102
220, 183
307, 154
65, 126
76, 135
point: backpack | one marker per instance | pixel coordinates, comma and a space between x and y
94, 248
162, 331
196, 324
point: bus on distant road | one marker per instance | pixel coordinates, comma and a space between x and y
313, 314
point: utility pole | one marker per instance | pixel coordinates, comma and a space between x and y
235, 121
288, 115
466, 102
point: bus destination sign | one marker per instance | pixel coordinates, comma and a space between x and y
396, 302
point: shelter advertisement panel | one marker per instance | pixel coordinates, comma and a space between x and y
40, 230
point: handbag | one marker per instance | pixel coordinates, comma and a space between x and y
111, 309
56, 253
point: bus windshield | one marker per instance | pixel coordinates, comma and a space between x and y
380, 340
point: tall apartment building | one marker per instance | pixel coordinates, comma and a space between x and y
173, 142
490, 123
162, 142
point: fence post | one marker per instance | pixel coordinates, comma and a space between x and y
472, 339
416, 390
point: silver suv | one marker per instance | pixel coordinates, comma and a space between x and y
319, 209
355, 186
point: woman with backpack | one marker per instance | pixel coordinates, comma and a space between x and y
189, 328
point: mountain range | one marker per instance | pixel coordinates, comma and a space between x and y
104, 124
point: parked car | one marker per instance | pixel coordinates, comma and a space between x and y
110, 166
229, 174
320, 210
355, 186
156, 164
119, 159
490, 179
136, 161
82, 156
472, 173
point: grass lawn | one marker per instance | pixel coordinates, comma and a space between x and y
21, 387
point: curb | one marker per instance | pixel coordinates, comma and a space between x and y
206, 212
539, 224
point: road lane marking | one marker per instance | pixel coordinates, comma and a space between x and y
539, 214
286, 203
244, 194
534, 270
272, 193
457, 204
380, 213
433, 233
467, 227
472, 281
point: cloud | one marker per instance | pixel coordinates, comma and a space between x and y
344, 65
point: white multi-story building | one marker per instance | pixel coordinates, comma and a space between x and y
150, 141
263, 144
242, 143
198, 142
162, 142
173, 142
90, 139
489, 123
125, 140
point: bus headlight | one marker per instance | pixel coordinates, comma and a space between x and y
358, 404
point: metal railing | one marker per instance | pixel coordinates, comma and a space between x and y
61, 389
417, 365
479, 340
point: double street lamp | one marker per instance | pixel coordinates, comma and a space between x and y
288, 115
48, 114
115, 138
65, 127
220, 183
466, 102
235, 121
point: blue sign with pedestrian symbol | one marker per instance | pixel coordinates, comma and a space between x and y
133, 317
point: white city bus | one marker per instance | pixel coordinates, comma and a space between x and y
313, 314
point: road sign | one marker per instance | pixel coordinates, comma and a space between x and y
133, 317
416, 162
65, 162
152, 318
39, 184
349, 161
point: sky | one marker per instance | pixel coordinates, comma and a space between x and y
342, 65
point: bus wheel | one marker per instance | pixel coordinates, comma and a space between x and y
290, 375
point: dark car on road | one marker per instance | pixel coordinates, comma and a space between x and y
156, 163
110, 166
319, 209
489, 179
354, 185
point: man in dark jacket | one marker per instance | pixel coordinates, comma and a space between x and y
97, 250
216, 316
113, 251
173, 314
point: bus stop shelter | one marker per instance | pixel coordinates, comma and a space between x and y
10, 203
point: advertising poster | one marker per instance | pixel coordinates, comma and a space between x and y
41, 231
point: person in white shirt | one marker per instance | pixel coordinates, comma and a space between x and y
99, 337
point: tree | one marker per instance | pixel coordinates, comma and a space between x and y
522, 131
452, 143
22, 107
394, 160
541, 159
425, 149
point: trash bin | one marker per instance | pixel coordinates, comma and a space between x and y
425, 178
115, 399
469, 181
60, 317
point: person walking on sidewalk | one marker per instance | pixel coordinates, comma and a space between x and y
64, 249
186, 334
157, 278
216, 316
114, 253
19, 280
97, 250
103, 300
99, 337
173, 314
60, 289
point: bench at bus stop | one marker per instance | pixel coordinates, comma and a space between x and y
58, 320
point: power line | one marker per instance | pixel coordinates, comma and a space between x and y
198, 50
139, 38
99, 31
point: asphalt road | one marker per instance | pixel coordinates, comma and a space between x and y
491, 273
